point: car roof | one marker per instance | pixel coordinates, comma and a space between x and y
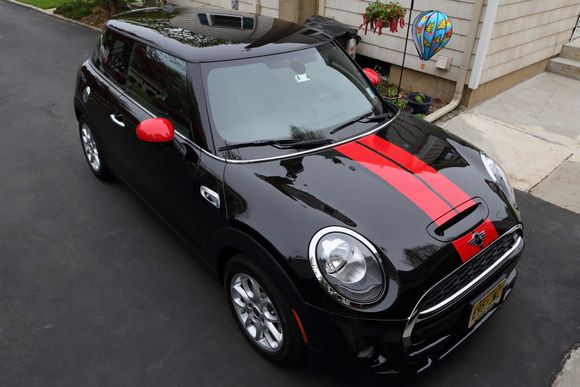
214, 34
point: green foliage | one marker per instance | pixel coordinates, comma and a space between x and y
45, 4
420, 116
401, 104
419, 98
378, 15
391, 92
76, 9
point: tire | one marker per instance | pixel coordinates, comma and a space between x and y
92, 153
289, 350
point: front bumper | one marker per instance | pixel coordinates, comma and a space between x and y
409, 346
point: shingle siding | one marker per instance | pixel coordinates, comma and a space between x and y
526, 32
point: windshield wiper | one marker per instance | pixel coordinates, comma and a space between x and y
364, 119
281, 144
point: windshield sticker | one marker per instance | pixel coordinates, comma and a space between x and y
301, 78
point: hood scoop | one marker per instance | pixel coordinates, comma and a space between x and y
459, 221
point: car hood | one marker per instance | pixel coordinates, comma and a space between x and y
396, 187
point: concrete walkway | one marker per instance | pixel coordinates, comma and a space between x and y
570, 374
533, 131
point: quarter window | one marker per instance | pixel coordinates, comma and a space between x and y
112, 56
158, 81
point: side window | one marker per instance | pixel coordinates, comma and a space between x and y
112, 56
158, 81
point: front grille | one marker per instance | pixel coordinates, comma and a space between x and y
469, 271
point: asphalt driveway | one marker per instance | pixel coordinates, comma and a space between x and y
96, 291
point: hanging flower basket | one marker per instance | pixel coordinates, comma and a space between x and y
383, 15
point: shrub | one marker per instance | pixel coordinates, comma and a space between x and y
113, 6
76, 9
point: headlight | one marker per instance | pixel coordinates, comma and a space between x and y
499, 176
347, 265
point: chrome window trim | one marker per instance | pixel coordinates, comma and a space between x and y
120, 90
318, 274
412, 319
233, 161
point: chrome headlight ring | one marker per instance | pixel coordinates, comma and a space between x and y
344, 262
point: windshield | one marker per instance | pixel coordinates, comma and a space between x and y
300, 95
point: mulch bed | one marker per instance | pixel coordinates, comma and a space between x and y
97, 18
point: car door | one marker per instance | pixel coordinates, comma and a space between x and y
105, 81
165, 175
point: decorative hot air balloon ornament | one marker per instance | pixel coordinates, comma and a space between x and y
431, 32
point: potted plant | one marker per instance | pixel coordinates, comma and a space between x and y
420, 102
403, 105
379, 15
391, 93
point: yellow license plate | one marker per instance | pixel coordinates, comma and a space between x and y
485, 304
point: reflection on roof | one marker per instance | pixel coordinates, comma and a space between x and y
206, 34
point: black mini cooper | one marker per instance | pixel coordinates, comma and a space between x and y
339, 225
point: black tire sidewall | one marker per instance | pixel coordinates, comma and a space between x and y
291, 350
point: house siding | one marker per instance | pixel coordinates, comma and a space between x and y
389, 47
526, 32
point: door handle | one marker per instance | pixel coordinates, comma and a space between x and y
117, 120
210, 196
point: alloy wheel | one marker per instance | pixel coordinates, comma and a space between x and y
256, 312
90, 147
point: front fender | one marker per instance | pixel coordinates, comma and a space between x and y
229, 241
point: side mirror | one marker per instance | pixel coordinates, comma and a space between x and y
372, 75
155, 130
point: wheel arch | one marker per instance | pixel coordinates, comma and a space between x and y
227, 242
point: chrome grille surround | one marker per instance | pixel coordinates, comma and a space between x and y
514, 235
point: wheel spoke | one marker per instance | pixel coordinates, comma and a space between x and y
251, 328
242, 292
247, 287
256, 292
239, 302
270, 315
274, 331
96, 160
259, 329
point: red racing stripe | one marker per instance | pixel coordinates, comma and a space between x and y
397, 177
440, 184
437, 181
414, 189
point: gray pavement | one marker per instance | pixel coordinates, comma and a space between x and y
96, 291
533, 130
